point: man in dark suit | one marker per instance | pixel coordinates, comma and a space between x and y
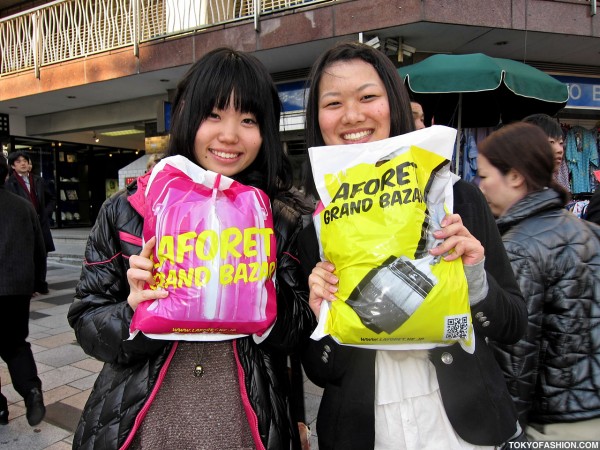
33, 188
23, 256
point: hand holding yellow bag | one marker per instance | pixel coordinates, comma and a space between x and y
379, 210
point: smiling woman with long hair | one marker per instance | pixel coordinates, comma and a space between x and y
441, 398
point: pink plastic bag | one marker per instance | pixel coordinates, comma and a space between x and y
215, 253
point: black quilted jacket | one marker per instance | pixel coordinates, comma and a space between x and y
553, 373
101, 316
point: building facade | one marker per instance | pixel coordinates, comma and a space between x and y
75, 71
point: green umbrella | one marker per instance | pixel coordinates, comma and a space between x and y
476, 90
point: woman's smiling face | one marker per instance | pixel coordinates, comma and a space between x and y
353, 104
227, 141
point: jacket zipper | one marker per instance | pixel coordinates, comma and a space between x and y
146, 407
250, 413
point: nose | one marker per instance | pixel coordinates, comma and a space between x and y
229, 132
353, 113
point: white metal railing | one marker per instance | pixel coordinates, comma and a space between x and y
67, 29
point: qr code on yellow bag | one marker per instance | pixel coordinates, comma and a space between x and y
456, 327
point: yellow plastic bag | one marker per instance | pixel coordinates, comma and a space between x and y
381, 202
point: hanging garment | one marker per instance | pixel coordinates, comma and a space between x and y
581, 151
562, 175
469, 153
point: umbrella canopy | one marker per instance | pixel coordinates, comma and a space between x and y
476, 90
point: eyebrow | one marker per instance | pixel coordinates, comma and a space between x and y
359, 89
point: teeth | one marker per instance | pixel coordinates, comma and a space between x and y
357, 136
225, 155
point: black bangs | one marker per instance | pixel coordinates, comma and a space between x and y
238, 77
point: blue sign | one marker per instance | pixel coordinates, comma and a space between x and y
292, 95
583, 92
167, 116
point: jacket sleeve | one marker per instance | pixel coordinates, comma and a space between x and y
295, 321
39, 253
593, 209
100, 314
520, 361
502, 315
49, 198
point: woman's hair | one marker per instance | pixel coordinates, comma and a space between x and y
523, 147
399, 103
209, 84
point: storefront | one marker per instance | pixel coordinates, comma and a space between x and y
81, 176
580, 121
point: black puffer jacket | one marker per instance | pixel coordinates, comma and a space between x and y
553, 372
100, 316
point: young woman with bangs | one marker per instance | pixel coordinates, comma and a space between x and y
148, 395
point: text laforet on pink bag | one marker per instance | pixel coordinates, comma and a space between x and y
231, 244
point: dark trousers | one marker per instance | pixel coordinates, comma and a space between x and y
14, 349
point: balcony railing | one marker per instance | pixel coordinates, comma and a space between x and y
67, 29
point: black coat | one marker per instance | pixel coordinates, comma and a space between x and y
101, 316
46, 203
593, 210
553, 373
473, 390
22, 249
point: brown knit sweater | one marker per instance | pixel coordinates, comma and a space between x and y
198, 413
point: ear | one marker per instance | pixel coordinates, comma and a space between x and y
515, 179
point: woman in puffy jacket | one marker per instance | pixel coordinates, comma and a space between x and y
150, 393
553, 372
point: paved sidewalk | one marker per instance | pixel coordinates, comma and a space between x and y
67, 373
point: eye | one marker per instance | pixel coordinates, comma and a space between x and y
214, 115
330, 103
251, 120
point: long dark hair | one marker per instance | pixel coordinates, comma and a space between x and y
209, 84
399, 103
523, 147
